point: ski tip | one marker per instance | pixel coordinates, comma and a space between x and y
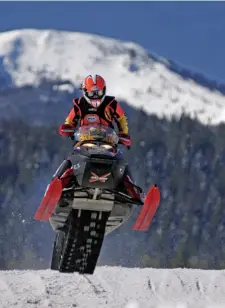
148, 210
154, 187
49, 201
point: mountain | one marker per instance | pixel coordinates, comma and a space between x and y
143, 80
113, 287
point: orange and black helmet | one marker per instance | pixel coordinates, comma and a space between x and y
94, 89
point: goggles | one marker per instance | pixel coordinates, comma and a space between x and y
95, 94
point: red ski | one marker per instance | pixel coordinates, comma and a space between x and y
52, 196
148, 210
49, 201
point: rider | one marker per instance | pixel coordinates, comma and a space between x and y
94, 106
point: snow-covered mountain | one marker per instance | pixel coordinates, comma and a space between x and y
113, 287
132, 74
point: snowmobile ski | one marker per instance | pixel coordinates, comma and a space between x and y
49, 201
52, 196
148, 210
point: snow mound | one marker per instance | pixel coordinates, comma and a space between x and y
132, 74
114, 287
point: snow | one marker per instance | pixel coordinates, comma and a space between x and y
114, 287
131, 73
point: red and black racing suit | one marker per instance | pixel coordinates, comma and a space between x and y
109, 111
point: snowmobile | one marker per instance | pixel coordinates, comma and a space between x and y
90, 195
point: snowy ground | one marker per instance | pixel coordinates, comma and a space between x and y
113, 287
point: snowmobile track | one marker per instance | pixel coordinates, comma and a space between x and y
83, 241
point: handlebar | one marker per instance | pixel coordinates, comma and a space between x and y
122, 140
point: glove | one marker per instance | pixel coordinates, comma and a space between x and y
66, 130
124, 139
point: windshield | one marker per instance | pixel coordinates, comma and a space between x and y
96, 132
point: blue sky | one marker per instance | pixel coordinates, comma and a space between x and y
190, 33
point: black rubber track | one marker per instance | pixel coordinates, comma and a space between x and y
77, 248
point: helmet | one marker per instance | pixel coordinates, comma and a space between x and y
94, 89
